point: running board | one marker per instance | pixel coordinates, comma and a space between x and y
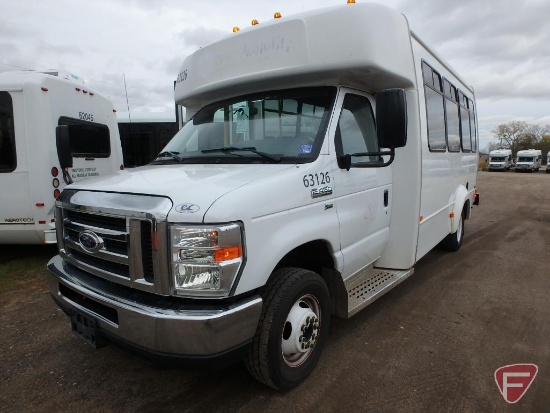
371, 283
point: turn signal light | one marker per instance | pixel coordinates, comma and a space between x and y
226, 254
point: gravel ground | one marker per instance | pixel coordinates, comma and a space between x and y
430, 345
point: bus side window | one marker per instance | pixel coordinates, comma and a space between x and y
8, 158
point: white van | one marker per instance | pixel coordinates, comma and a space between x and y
528, 160
34, 108
317, 166
500, 160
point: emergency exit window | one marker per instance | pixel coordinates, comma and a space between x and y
88, 140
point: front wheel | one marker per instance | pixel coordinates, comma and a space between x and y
292, 330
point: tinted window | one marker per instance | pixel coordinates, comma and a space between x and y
453, 126
88, 140
465, 130
427, 74
450, 90
472, 125
8, 159
431, 77
436, 120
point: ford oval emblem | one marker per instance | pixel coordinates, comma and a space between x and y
90, 241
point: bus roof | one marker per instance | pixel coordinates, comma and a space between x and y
365, 45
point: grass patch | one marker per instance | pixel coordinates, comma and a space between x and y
21, 265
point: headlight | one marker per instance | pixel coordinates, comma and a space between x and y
205, 259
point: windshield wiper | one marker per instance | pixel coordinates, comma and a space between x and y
230, 149
166, 154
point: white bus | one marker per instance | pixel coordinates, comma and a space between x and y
324, 154
528, 160
34, 107
548, 163
500, 160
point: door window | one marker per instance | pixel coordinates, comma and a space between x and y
356, 131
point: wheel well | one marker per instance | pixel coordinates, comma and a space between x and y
466, 210
316, 256
313, 256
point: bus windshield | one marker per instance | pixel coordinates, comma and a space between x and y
283, 126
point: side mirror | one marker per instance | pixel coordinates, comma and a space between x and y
391, 118
64, 153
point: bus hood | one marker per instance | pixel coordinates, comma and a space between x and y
191, 188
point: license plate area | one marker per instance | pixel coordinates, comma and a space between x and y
86, 328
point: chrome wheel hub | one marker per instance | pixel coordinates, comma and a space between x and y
301, 330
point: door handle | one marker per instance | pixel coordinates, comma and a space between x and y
386, 197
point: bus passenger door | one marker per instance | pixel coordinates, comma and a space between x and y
362, 193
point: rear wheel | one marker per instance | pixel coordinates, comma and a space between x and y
453, 241
292, 330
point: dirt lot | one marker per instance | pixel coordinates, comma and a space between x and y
430, 345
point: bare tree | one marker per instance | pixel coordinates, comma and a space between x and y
518, 135
510, 135
544, 145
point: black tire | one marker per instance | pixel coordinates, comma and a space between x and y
296, 307
453, 241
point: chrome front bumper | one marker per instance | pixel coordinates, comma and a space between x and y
161, 325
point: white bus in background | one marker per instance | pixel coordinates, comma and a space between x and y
500, 160
324, 154
528, 160
38, 110
548, 163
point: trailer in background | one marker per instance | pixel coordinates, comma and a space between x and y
143, 135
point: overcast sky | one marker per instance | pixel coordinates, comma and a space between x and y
501, 47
